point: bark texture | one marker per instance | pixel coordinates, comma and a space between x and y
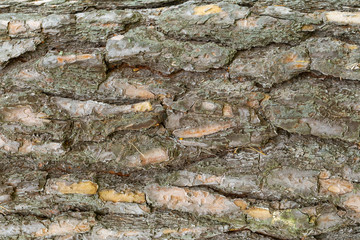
171, 119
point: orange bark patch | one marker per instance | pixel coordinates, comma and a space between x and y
207, 9
138, 92
142, 107
201, 131
259, 213
74, 58
84, 57
295, 62
209, 179
253, 101
66, 59
227, 111
290, 58
187, 230
307, 28
169, 231
336, 185
241, 204
351, 46
265, 99
153, 156
16, 27
127, 196
299, 66
324, 174
84, 187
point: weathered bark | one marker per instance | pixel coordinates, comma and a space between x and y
165, 119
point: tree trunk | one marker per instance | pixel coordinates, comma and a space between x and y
166, 119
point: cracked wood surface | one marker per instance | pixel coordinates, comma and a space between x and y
166, 119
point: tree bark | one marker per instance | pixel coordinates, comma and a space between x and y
165, 119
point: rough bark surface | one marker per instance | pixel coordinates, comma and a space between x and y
172, 119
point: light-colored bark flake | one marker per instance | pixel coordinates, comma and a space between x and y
25, 115
201, 131
353, 202
207, 9
66, 227
336, 186
127, 196
343, 17
259, 213
187, 200
83, 187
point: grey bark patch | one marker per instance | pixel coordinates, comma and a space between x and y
164, 119
306, 113
232, 25
145, 46
14, 48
